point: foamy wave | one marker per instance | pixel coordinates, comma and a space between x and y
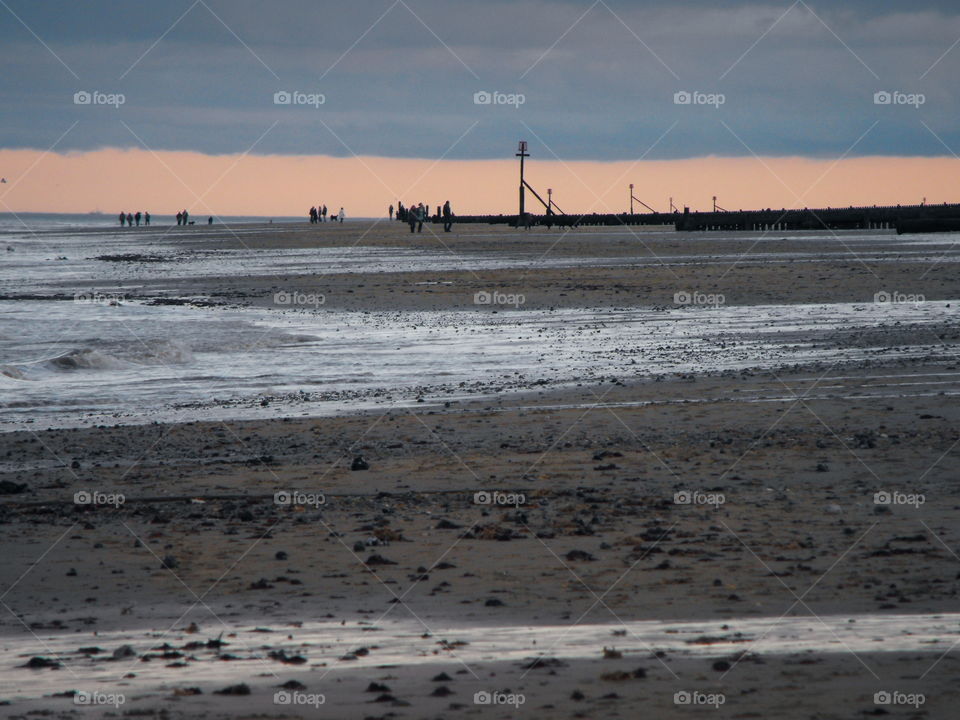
85, 359
163, 352
12, 372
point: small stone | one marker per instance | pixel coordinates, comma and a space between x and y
241, 689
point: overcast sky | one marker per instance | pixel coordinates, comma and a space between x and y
399, 78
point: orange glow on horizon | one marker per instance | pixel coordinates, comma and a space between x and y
111, 180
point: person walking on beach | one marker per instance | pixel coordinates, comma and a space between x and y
324, 214
447, 217
421, 216
186, 215
123, 218
313, 216
391, 212
179, 218
341, 215
146, 218
411, 213
129, 219
137, 218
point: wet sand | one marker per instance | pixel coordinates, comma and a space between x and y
780, 470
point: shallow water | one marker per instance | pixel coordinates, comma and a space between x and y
330, 647
64, 364
64, 262
86, 361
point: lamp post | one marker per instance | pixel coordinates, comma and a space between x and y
549, 201
631, 198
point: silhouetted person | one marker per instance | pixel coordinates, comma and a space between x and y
341, 215
146, 218
411, 214
313, 216
137, 218
123, 219
179, 218
324, 213
447, 217
130, 219
210, 220
391, 212
186, 216
421, 216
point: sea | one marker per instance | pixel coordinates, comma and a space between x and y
80, 344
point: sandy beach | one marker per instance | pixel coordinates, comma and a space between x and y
790, 458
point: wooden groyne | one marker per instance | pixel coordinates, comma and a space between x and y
903, 218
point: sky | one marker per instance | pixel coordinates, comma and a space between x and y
275, 106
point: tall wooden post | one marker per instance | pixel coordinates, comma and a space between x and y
522, 153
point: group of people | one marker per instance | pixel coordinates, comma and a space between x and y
129, 218
319, 214
416, 214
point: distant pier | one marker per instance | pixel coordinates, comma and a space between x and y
903, 218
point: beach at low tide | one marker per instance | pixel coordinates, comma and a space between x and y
726, 460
